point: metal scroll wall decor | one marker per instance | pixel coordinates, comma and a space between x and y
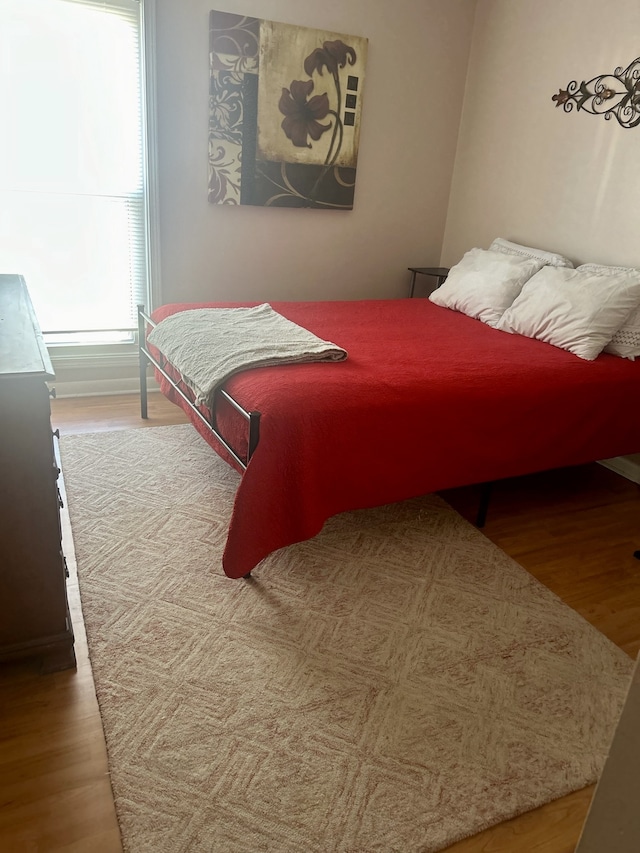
616, 94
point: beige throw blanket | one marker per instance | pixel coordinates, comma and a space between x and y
208, 345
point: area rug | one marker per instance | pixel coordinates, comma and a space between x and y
395, 684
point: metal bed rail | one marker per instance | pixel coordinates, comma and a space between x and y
145, 358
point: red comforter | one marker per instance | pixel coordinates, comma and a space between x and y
427, 399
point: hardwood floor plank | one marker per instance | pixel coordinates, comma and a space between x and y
574, 529
553, 827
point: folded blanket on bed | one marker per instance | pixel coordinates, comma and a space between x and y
208, 345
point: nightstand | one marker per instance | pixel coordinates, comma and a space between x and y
439, 273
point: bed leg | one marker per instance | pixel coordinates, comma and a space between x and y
483, 506
142, 361
254, 433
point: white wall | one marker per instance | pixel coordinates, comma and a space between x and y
414, 84
526, 170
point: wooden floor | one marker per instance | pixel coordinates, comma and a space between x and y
575, 530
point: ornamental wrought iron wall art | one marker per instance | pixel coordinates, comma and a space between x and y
284, 113
608, 95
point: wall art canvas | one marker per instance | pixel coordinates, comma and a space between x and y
284, 113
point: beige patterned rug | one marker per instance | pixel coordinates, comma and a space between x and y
393, 685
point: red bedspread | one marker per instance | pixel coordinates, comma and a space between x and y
427, 399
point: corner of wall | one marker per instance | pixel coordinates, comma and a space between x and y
458, 135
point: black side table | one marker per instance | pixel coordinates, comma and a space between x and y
439, 273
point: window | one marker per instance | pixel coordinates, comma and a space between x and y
73, 201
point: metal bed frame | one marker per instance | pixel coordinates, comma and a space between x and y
146, 358
252, 418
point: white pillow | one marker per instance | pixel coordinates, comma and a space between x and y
626, 341
483, 284
550, 258
575, 310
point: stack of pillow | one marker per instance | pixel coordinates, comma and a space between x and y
539, 294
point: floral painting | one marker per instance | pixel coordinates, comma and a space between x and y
284, 113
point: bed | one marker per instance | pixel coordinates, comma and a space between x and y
428, 399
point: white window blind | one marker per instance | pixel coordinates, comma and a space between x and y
73, 211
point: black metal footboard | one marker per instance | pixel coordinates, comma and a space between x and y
146, 358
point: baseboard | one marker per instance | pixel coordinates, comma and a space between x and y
102, 387
626, 466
